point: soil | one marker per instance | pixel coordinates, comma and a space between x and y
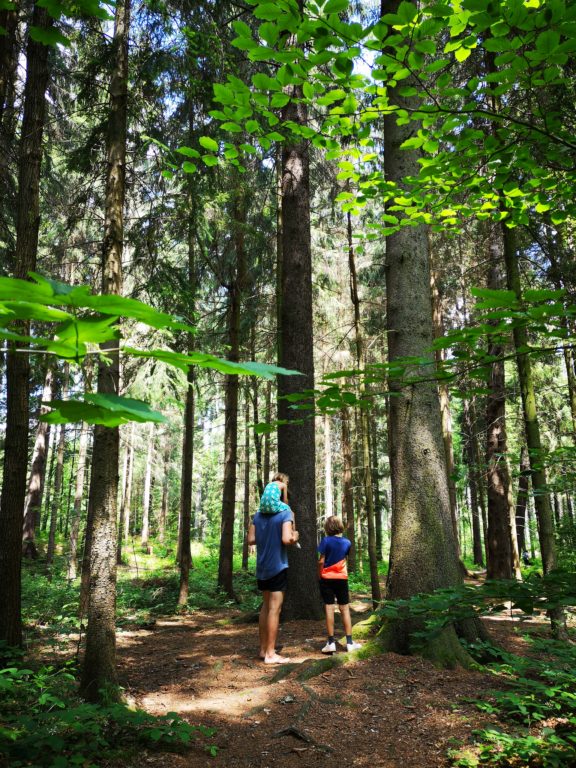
388, 711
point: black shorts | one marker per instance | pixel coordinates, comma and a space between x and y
277, 583
334, 591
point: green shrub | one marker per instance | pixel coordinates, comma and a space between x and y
43, 724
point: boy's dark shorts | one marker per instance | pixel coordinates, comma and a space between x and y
334, 591
277, 583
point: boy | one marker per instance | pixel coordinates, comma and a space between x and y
333, 574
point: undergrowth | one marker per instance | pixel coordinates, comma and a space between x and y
43, 723
536, 704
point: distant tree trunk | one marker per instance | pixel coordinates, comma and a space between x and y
296, 443
347, 495
145, 536
257, 438
470, 454
78, 498
246, 515
33, 503
99, 681
127, 497
122, 513
55, 506
376, 486
419, 476
268, 412
184, 551
225, 563
438, 321
8, 53
328, 492
162, 520
17, 364
364, 424
532, 430
500, 554
522, 499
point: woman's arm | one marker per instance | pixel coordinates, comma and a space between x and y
252, 534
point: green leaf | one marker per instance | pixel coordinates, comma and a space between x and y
208, 143
50, 36
335, 6
97, 408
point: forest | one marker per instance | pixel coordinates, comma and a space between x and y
328, 238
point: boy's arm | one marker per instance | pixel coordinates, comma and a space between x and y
283, 492
321, 565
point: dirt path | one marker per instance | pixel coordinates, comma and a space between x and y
386, 712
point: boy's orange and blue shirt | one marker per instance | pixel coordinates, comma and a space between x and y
335, 551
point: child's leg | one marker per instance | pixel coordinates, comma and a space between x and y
346, 620
330, 620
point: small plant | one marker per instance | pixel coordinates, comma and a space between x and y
44, 724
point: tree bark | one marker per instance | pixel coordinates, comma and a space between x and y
78, 499
347, 495
296, 442
502, 563
364, 424
55, 505
17, 364
532, 430
522, 499
246, 515
328, 487
423, 554
99, 680
33, 503
236, 288
470, 454
145, 534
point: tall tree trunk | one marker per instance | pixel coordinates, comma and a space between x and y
376, 487
122, 513
522, 499
163, 518
226, 560
296, 443
246, 515
438, 321
328, 487
257, 438
78, 499
364, 423
33, 503
56, 504
532, 429
99, 679
423, 554
185, 520
17, 364
184, 552
145, 534
470, 454
268, 416
347, 494
501, 561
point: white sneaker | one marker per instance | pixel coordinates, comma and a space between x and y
329, 648
353, 646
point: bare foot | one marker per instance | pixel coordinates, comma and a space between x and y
276, 659
262, 654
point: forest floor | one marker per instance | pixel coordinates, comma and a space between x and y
388, 711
